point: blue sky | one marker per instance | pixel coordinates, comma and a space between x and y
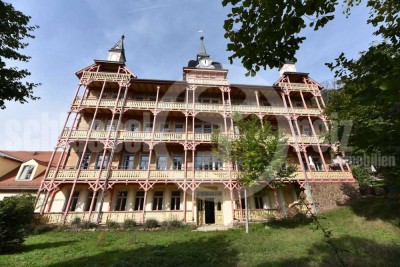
161, 37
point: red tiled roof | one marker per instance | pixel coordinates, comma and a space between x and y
8, 181
43, 156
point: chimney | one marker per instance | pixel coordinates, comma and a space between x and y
287, 67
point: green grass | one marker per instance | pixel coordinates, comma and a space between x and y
366, 232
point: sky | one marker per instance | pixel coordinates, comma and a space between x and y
161, 36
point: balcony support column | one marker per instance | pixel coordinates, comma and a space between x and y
257, 98
83, 154
240, 204
277, 205
318, 143
304, 150
302, 99
111, 144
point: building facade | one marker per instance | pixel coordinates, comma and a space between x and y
137, 149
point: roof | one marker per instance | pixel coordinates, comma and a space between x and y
22, 156
8, 181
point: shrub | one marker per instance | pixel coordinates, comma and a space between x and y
76, 221
170, 225
111, 224
40, 229
151, 223
129, 224
16, 215
362, 175
88, 225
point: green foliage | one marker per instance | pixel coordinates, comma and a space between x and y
151, 223
88, 225
268, 33
112, 224
259, 152
14, 28
172, 225
76, 221
362, 175
16, 215
129, 224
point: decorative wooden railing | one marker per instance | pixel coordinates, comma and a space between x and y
299, 87
119, 216
201, 107
257, 215
165, 136
102, 76
118, 175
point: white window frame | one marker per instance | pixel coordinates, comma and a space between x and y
20, 171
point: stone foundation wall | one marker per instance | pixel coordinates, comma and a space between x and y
327, 196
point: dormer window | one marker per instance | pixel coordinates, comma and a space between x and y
26, 173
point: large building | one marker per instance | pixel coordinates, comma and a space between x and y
136, 148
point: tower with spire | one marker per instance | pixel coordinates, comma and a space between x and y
117, 52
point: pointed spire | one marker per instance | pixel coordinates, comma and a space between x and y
202, 50
117, 52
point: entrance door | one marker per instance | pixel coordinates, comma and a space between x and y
210, 210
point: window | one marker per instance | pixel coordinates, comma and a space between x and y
179, 127
96, 125
113, 127
26, 172
139, 200
100, 159
207, 162
219, 205
85, 162
144, 162
306, 130
205, 128
74, 201
127, 162
161, 163
318, 164
148, 126
139, 98
178, 162
200, 205
120, 204
164, 127
89, 200
158, 199
298, 104
110, 95
175, 200
133, 126
259, 202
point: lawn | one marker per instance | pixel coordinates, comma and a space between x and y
367, 233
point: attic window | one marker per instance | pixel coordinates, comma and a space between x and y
26, 172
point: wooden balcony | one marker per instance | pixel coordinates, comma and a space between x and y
299, 87
123, 176
131, 136
68, 175
200, 107
106, 76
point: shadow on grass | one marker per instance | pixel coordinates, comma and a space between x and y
211, 251
297, 221
373, 208
354, 251
40, 246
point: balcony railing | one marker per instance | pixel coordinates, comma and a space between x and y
118, 175
201, 107
165, 136
299, 87
102, 76
138, 175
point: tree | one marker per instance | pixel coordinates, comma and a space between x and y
258, 151
14, 29
267, 33
16, 215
